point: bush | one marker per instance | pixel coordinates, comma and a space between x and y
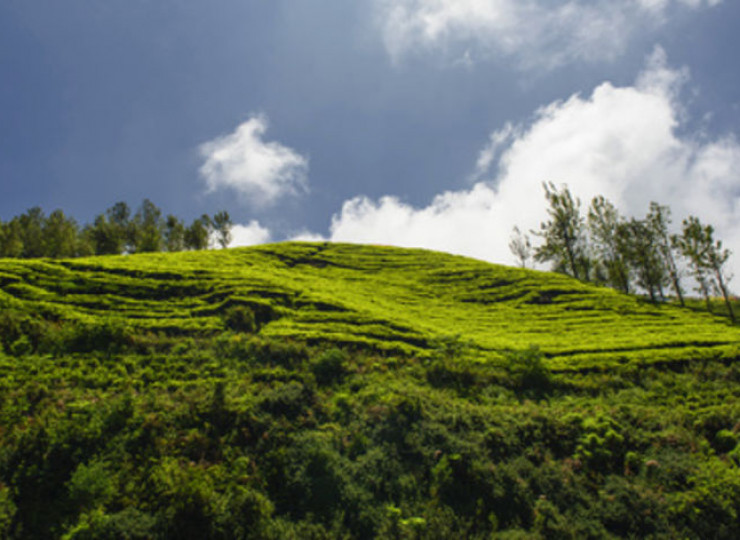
725, 441
21, 346
330, 367
289, 400
286, 354
240, 319
450, 373
7, 511
110, 336
90, 485
22, 334
528, 371
128, 524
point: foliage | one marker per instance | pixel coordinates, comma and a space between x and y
385, 393
529, 372
240, 319
645, 258
707, 258
613, 250
330, 367
658, 220
113, 232
609, 236
563, 234
222, 225
521, 247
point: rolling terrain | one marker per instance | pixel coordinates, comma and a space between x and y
311, 390
386, 299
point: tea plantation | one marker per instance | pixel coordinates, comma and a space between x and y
311, 390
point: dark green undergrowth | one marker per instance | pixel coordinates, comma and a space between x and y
242, 437
116, 425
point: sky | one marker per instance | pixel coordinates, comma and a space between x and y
420, 123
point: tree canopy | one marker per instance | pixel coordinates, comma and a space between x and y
627, 253
115, 231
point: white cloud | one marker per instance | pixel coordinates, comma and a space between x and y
538, 33
621, 142
306, 236
250, 234
261, 171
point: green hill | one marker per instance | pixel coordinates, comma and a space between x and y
397, 301
307, 390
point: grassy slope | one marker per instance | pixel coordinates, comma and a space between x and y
223, 435
395, 300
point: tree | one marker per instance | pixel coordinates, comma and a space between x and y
520, 246
105, 237
11, 243
85, 246
563, 234
717, 256
119, 219
606, 231
658, 219
31, 226
60, 235
644, 257
707, 258
149, 227
222, 225
198, 233
174, 234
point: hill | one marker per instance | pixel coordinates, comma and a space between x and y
307, 390
397, 301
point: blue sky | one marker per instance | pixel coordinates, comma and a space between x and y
425, 123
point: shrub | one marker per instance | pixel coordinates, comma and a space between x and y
22, 334
21, 346
725, 441
128, 524
528, 371
448, 373
7, 511
286, 354
240, 319
90, 485
289, 400
330, 366
110, 336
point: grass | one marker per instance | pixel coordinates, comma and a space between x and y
394, 301
382, 393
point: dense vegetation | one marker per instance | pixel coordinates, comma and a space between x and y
319, 390
33, 234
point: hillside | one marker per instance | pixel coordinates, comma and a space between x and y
315, 391
398, 301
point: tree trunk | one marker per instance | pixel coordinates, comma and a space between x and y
705, 292
571, 254
677, 288
726, 295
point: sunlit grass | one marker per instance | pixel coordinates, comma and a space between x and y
391, 300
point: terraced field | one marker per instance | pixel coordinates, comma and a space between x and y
390, 300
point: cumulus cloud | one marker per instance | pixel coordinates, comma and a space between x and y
307, 236
261, 171
249, 235
538, 33
622, 142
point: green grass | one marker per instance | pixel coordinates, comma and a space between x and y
396, 301
384, 393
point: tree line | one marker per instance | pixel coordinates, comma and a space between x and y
627, 254
116, 231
